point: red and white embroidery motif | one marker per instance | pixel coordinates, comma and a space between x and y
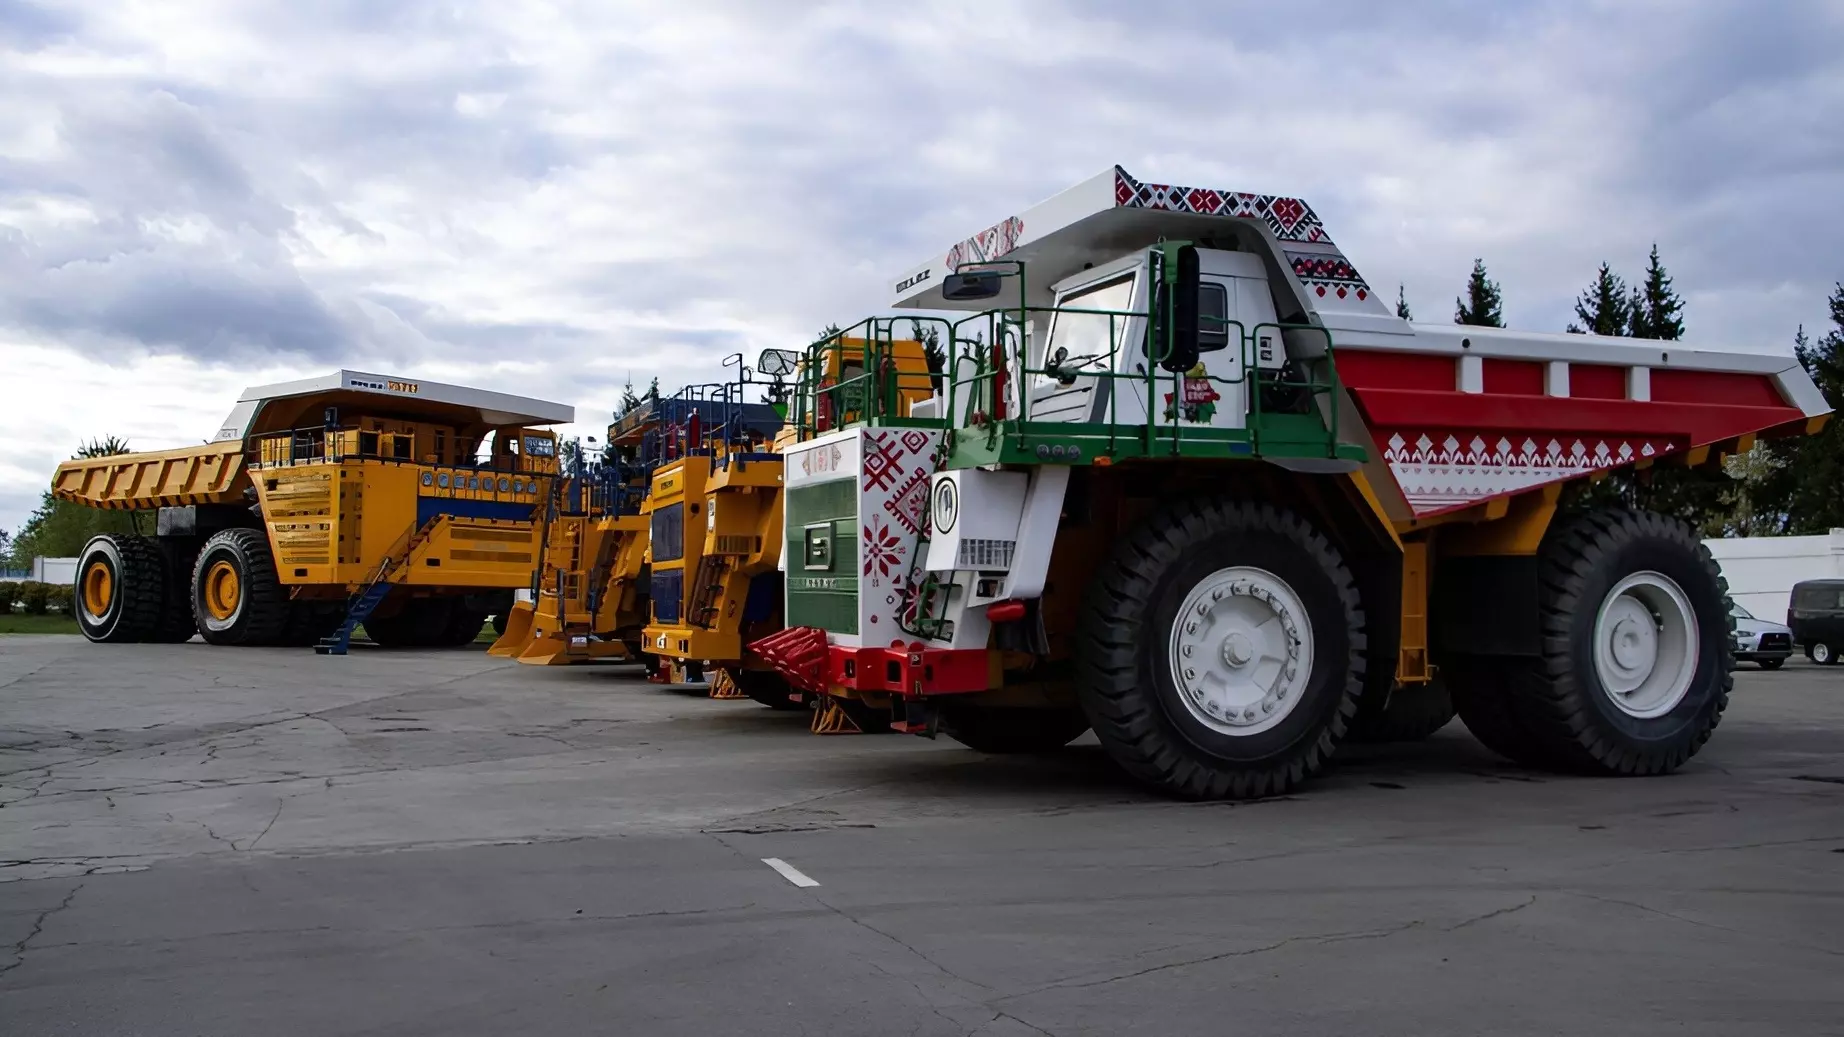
883, 549
988, 244
821, 459
883, 461
907, 504
1442, 470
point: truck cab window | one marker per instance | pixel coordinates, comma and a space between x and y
1212, 316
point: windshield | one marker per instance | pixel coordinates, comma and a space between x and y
1092, 334
1738, 612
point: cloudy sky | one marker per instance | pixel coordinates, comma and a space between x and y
551, 198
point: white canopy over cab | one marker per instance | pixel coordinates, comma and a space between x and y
486, 406
1110, 215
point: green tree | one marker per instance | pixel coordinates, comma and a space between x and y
1657, 311
1605, 308
628, 400
1806, 491
59, 529
937, 357
1742, 499
1402, 304
1483, 304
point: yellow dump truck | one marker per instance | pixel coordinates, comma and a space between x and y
409, 506
716, 507
589, 593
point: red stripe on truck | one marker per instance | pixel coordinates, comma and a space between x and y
1698, 422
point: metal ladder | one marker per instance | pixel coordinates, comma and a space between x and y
361, 606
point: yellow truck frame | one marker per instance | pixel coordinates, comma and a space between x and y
319, 505
589, 599
716, 528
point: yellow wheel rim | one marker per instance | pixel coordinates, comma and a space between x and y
98, 589
223, 590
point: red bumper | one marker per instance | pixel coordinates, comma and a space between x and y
802, 655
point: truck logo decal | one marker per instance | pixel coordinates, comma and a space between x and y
385, 385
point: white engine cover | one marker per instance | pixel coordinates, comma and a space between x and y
973, 519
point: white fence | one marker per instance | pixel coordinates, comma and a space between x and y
1762, 570
54, 570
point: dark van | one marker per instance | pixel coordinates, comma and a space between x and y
1816, 617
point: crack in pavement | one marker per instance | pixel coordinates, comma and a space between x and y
242, 727
1500, 913
279, 804
38, 926
419, 930
1324, 938
1662, 913
959, 1001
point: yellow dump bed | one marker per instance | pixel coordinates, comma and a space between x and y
209, 474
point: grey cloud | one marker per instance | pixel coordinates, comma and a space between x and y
783, 180
33, 25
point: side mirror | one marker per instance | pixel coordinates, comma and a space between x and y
980, 284
1182, 278
777, 363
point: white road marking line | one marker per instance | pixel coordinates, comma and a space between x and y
789, 872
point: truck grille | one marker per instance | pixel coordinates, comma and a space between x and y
985, 554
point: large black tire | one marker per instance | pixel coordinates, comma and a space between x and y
259, 612
120, 589
1481, 687
1410, 713
1823, 653
767, 687
1575, 720
177, 624
418, 623
309, 621
1123, 660
464, 626
1011, 729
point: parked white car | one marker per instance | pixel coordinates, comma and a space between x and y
1760, 641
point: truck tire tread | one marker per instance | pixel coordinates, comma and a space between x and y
1555, 693
1129, 718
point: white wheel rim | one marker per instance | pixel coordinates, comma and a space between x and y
1241, 650
1646, 644
1821, 652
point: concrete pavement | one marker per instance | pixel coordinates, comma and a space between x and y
229, 842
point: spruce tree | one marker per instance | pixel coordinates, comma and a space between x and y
1807, 491
1657, 310
1482, 305
936, 357
628, 400
1402, 304
1605, 308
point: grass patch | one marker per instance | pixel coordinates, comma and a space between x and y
16, 623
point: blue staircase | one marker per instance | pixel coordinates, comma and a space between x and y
362, 605
339, 640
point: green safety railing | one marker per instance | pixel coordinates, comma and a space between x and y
991, 381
